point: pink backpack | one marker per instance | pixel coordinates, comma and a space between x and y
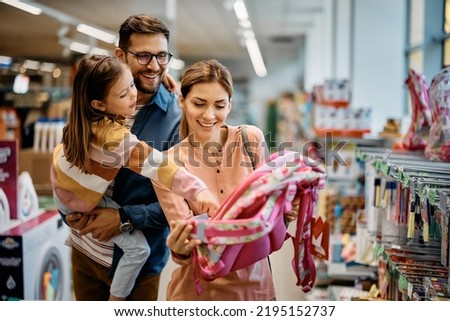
417, 135
249, 225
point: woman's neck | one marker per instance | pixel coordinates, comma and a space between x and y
214, 145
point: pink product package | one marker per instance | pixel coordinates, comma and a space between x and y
438, 146
417, 135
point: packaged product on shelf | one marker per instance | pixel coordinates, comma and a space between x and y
417, 134
438, 145
8, 180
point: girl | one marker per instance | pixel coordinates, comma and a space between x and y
96, 144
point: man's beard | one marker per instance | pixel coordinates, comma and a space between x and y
145, 90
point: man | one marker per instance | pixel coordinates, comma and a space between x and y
143, 45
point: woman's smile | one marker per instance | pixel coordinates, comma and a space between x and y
206, 125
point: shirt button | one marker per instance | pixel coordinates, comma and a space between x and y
218, 171
221, 191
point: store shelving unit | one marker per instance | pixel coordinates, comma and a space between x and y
344, 272
418, 254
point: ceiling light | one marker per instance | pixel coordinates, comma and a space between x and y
249, 38
248, 34
99, 51
31, 64
256, 57
246, 24
47, 66
97, 33
79, 47
71, 44
240, 10
23, 6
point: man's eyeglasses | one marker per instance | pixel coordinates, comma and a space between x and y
144, 58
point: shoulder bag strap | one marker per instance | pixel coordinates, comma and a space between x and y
246, 145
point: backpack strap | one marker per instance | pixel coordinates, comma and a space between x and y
246, 149
231, 200
302, 263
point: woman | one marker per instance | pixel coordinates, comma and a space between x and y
211, 150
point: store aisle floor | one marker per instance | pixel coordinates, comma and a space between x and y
284, 276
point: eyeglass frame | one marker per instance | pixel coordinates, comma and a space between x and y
138, 55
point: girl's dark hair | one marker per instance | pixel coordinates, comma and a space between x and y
95, 76
205, 71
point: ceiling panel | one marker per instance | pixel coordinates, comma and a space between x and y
202, 28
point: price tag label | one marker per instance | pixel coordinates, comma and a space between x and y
410, 290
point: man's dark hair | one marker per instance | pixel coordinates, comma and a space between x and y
141, 24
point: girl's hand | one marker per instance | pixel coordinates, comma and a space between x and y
171, 85
207, 201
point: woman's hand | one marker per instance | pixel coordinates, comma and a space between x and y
292, 214
179, 240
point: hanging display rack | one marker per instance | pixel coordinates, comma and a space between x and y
428, 179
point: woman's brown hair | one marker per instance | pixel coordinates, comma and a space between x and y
205, 71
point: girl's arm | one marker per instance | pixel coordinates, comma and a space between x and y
144, 160
177, 210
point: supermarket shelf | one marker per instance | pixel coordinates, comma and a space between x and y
345, 293
349, 272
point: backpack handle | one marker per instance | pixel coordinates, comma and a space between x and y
244, 230
232, 198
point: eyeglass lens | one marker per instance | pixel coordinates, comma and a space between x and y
145, 58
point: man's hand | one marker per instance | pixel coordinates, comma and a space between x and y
78, 220
105, 226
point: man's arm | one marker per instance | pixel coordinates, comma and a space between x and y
146, 216
107, 220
